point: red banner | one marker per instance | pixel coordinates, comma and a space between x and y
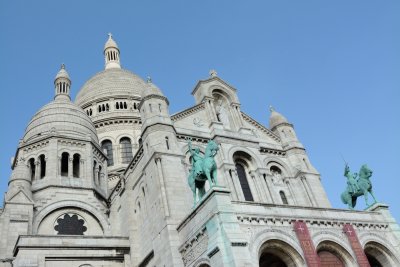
306, 243
355, 245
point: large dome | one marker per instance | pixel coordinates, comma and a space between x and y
113, 82
60, 117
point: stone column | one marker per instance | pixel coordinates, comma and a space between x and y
96, 174
256, 186
37, 170
307, 189
270, 188
70, 159
290, 191
59, 166
231, 185
162, 185
263, 190
82, 171
238, 187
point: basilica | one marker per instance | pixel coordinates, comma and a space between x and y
104, 181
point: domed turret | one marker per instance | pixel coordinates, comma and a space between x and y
62, 84
276, 119
111, 100
61, 116
111, 53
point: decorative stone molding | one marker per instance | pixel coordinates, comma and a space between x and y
276, 220
120, 121
70, 142
183, 114
266, 150
194, 247
260, 127
193, 138
36, 146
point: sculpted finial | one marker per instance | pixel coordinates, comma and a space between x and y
271, 108
213, 73
110, 35
63, 66
148, 79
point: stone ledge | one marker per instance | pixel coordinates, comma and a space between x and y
70, 242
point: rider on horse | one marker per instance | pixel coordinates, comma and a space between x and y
351, 180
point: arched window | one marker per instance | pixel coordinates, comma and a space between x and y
42, 161
99, 176
64, 164
76, 165
99, 108
117, 105
243, 182
126, 149
32, 168
159, 107
140, 141
283, 197
106, 146
107, 107
134, 105
125, 105
94, 171
167, 142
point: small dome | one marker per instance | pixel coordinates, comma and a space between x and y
151, 89
62, 73
111, 83
63, 118
276, 119
110, 42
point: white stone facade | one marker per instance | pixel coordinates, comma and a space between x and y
103, 182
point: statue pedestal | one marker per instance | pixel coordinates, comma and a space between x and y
384, 210
211, 233
377, 207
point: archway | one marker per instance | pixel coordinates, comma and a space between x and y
276, 253
379, 255
332, 253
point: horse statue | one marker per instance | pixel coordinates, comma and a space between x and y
203, 169
357, 187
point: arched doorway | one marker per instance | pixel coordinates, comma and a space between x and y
333, 254
328, 259
277, 253
271, 260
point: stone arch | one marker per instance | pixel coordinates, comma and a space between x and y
256, 163
283, 241
202, 262
278, 251
229, 93
286, 170
104, 224
381, 245
337, 248
376, 252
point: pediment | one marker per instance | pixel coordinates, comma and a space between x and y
259, 130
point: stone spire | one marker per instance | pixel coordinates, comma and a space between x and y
62, 84
111, 54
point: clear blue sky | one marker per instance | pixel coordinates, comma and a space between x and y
331, 67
